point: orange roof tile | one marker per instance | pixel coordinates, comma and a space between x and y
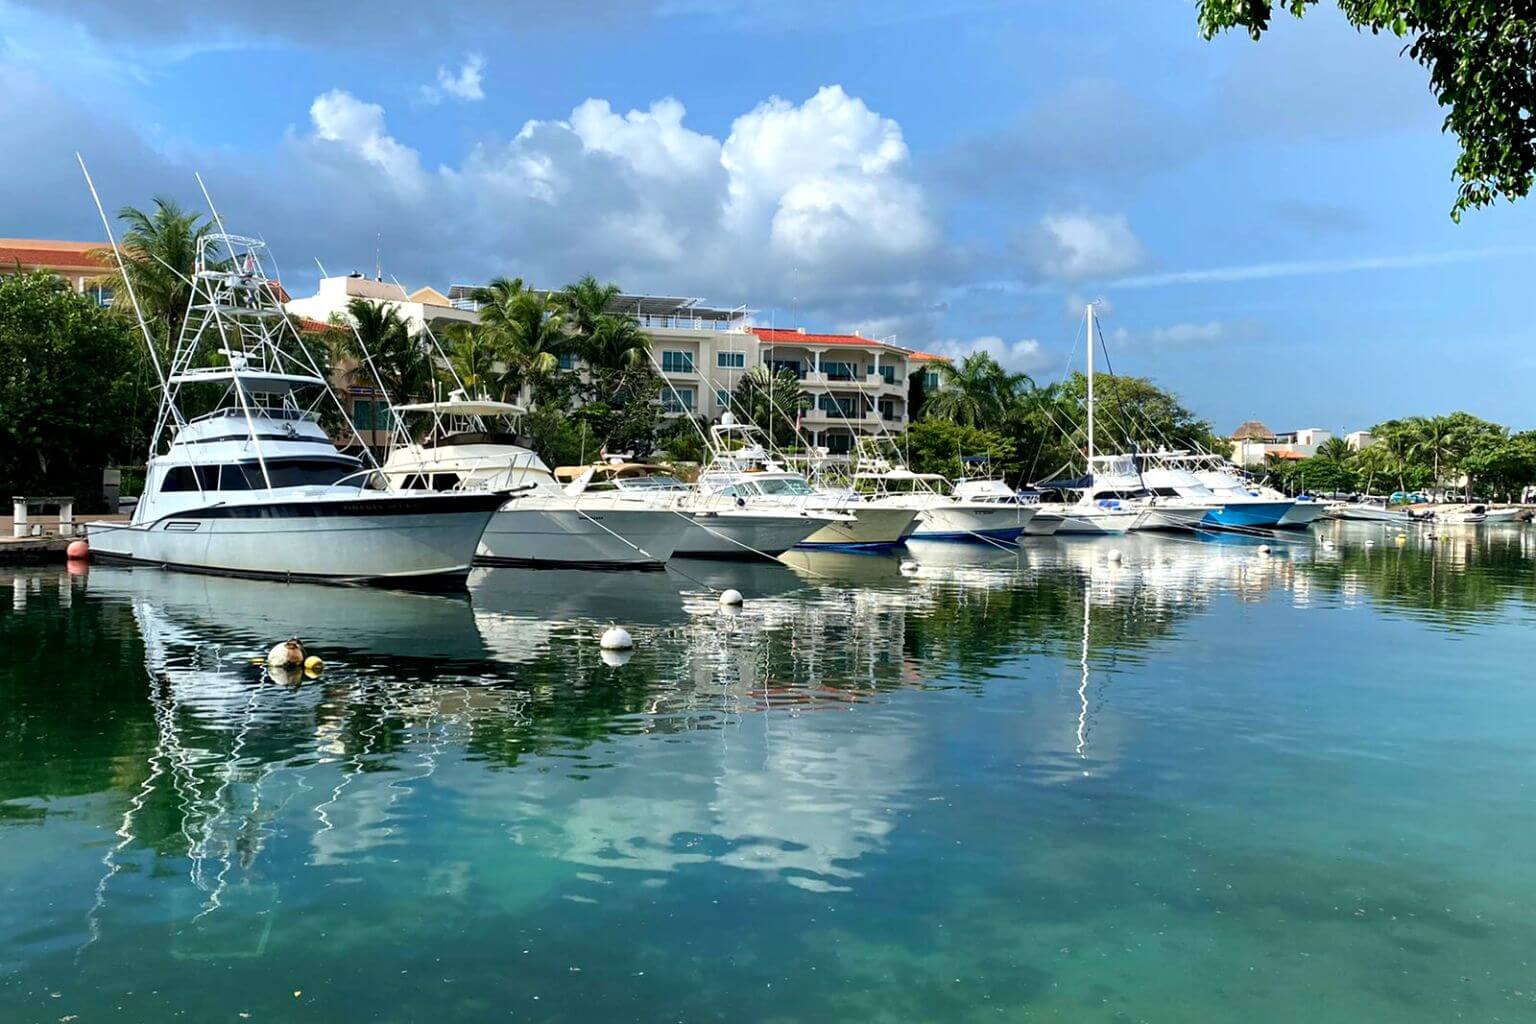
41, 252
781, 336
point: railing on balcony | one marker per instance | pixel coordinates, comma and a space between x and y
689, 323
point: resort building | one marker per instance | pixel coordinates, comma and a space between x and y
856, 385
75, 262
1358, 440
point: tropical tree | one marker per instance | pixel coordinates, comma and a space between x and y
975, 393
772, 400
67, 385
1480, 55
473, 360
526, 330
159, 250
585, 304
383, 352
1433, 438
940, 446
1335, 449
616, 344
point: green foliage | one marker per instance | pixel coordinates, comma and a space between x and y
771, 400
159, 250
72, 383
937, 446
977, 393
1481, 58
383, 351
525, 329
681, 439
559, 439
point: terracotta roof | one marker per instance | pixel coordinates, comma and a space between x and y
779, 336
1283, 454
926, 357
1253, 430
313, 326
42, 252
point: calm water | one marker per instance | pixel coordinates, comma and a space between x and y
1208, 783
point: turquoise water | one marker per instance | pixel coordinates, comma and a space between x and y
1204, 783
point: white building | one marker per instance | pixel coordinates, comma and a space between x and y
1359, 440
423, 306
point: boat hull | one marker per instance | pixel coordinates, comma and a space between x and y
1098, 522
598, 537
396, 539
1249, 514
963, 523
744, 534
874, 529
1161, 517
1303, 513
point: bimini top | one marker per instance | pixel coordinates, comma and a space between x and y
465, 407
900, 473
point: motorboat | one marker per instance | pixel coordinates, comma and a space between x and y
464, 448
742, 468
993, 491
255, 486
720, 526
941, 513
1369, 511
1236, 502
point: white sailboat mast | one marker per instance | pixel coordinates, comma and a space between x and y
1090, 389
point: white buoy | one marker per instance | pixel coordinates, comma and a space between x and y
1114, 555
730, 598
1263, 549
909, 566
614, 659
616, 638
288, 654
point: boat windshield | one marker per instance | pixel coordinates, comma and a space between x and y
651, 482
778, 485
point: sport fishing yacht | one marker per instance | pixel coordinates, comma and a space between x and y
255, 486
942, 514
1244, 504
468, 445
719, 526
742, 468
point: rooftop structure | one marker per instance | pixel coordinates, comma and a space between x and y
78, 263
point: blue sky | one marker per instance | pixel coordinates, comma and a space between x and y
1267, 224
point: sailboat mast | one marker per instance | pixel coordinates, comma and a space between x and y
1090, 389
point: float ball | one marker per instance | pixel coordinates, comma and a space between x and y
78, 551
616, 638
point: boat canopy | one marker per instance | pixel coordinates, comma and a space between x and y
252, 381
465, 407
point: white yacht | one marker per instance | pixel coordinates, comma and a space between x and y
255, 486
719, 526
543, 524
742, 468
1244, 504
999, 493
942, 514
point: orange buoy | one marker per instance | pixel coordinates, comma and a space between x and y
78, 551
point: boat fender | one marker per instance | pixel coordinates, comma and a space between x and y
78, 551
909, 566
1263, 549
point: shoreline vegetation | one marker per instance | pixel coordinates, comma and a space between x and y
77, 385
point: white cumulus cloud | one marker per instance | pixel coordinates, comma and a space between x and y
464, 84
1079, 246
1026, 355
358, 129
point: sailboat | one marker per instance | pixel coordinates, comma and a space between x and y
255, 486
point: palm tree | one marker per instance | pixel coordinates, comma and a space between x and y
616, 343
1433, 436
524, 328
771, 399
1335, 449
384, 352
585, 304
976, 393
159, 249
473, 361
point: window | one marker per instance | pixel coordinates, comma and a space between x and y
677, 400
792, 365
839, 444
887, 408
368, 414
784, 485
676, 362
445, 481
834, 405
247, 476
567, 360
931, 380
838, 371
182, 478
888, 373
731, 360
722, 398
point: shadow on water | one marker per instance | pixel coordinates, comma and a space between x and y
994, 779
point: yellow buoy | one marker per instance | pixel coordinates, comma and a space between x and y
313, 666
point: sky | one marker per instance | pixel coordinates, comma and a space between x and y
1265, 224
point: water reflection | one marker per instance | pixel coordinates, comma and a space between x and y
476, 749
